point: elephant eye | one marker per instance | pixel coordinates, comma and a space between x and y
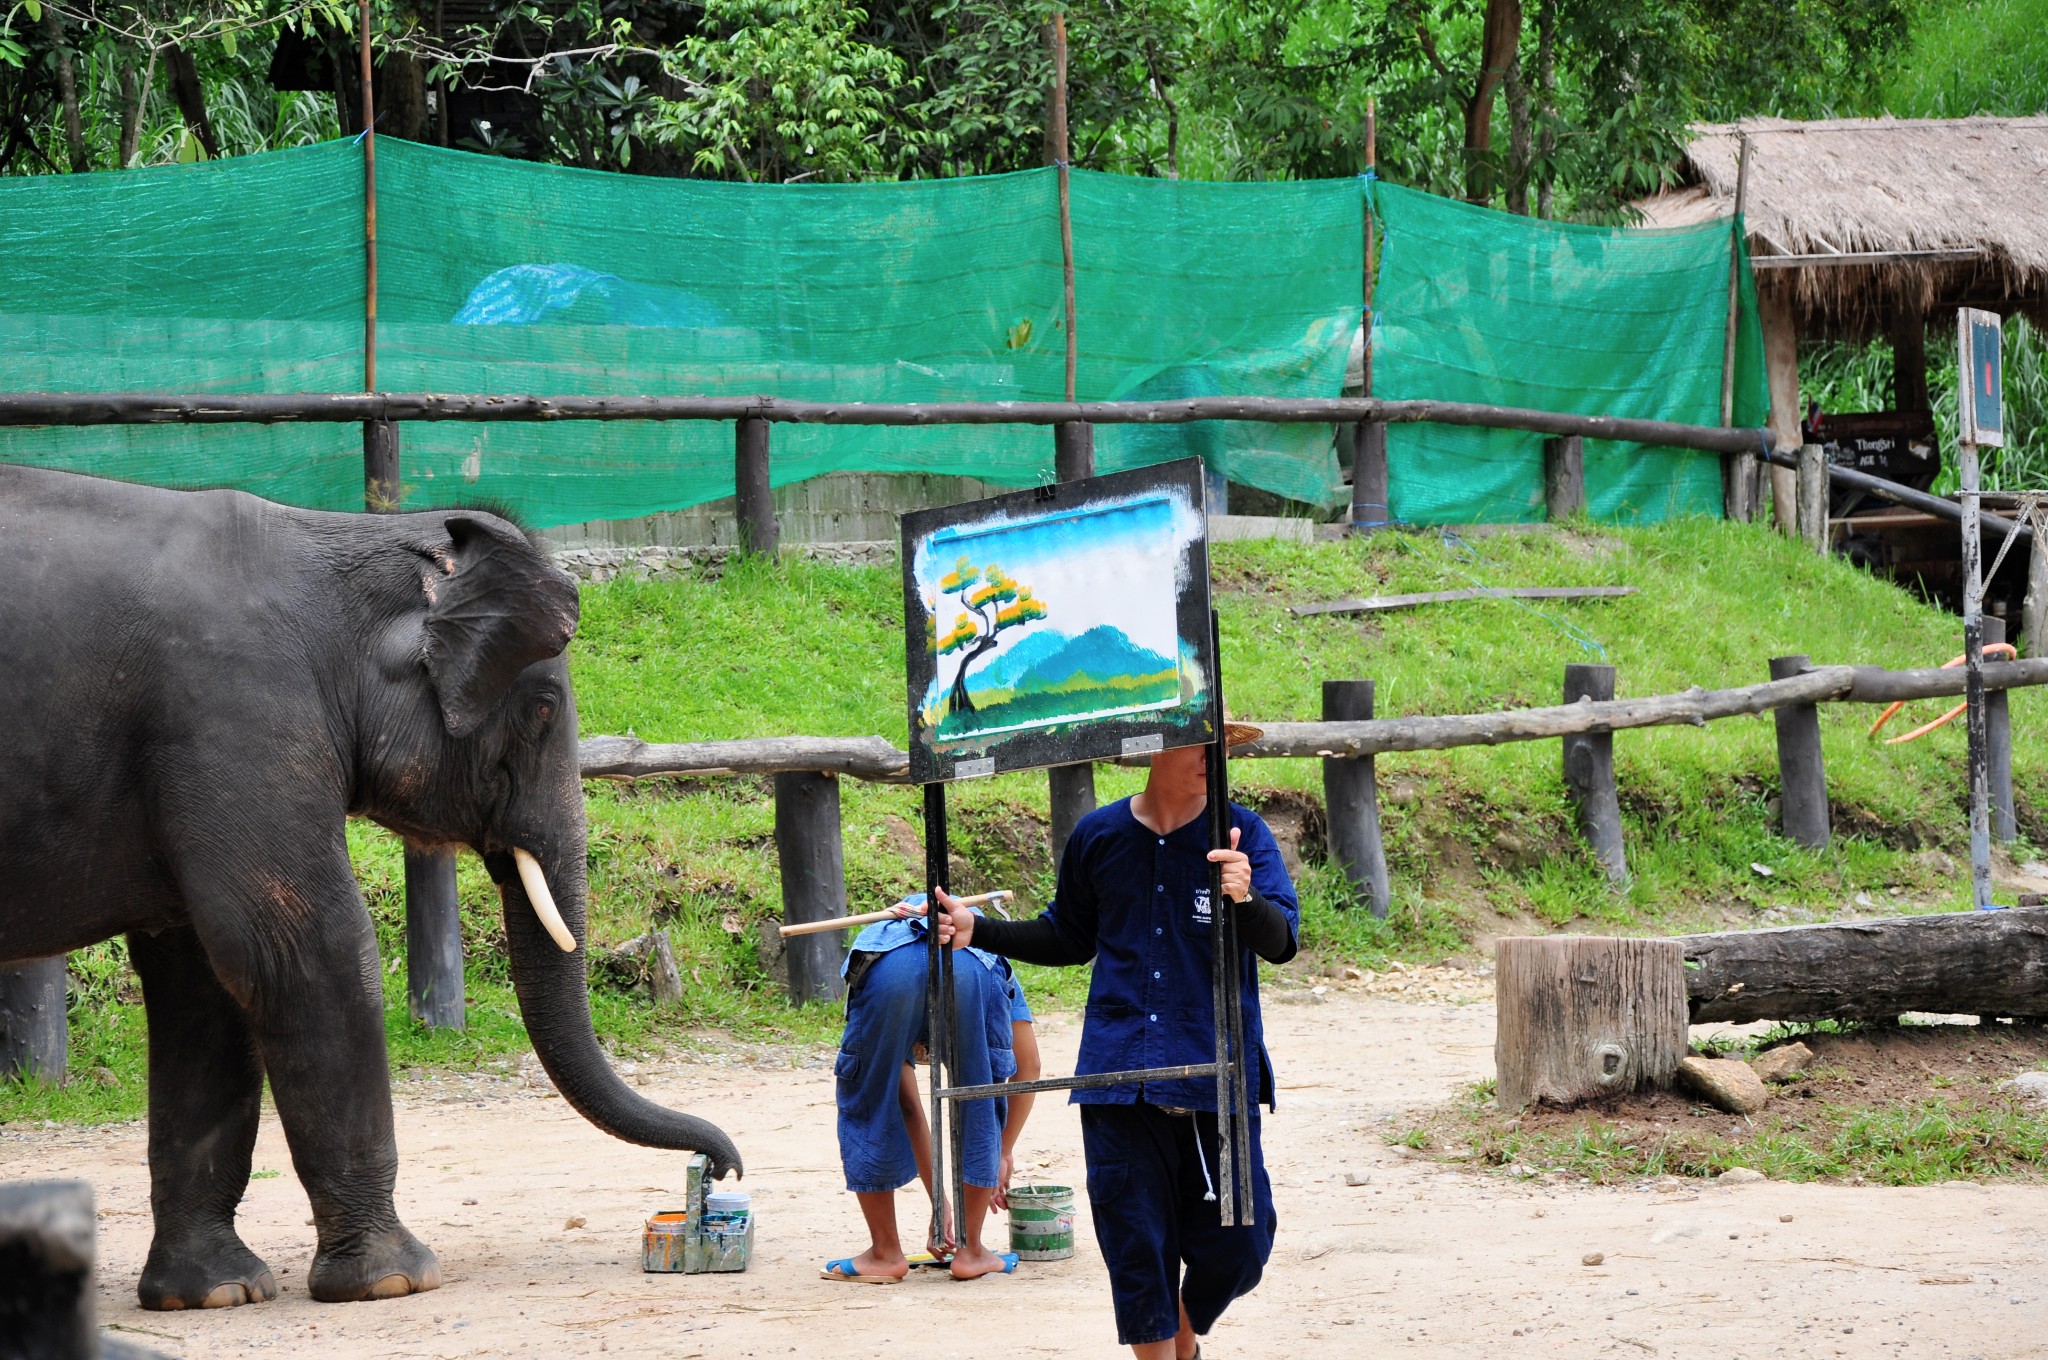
545, 710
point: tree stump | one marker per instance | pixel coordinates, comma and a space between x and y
1583, 1018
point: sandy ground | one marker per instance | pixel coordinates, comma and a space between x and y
1418, 1260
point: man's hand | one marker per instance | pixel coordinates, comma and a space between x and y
956, 923
1004, 1169
1237, 871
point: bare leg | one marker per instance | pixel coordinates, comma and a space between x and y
939, 1237
884, 1255
973, 1260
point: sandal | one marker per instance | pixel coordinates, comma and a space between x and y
843, 1271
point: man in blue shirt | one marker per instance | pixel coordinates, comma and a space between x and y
1133, 895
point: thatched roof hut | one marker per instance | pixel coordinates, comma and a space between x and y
1861, 219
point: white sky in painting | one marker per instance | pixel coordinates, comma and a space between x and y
1115, 566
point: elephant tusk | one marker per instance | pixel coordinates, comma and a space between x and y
536, 885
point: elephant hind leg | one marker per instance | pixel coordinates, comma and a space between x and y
205, 1096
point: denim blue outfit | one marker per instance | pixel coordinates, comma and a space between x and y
885, 1020
1137, 903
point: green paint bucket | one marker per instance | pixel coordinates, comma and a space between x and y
1042, 1222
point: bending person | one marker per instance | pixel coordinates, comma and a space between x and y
885, 1023
1133, 895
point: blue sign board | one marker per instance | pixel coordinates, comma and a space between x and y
1980, 378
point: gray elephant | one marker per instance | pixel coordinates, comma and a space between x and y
198, 688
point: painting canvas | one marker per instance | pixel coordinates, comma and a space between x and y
1060, 624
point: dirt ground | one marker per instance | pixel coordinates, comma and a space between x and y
1380, 1253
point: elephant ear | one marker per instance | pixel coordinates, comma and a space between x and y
495, 605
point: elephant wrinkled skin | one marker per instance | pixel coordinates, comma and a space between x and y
199, 687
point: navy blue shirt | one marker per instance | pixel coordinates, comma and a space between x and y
1137, 902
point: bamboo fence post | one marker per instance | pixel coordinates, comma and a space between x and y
35, 1038
1370, 493
809, 847
1351, 800
1564, 476
1802, 776
2005, 826
1589, 774
1738, 470
2034, 612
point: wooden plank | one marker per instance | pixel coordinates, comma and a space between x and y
1964, 962
1381, 604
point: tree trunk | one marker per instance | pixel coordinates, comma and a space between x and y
1499, 42
1960, 962
191, 98
1584, 1018
1518, 140
401, 97
1781, 368
67, 91
135, 91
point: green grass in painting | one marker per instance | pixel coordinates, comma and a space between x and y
1479, 839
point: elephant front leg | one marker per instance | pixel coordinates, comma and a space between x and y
320, 1027
205, 1092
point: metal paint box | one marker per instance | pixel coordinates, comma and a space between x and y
665, 1244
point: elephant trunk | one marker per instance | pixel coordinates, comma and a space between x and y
554, 1000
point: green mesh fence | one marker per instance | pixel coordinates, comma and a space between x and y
495, 276
246, 275
1480, 306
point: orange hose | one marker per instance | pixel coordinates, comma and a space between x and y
2007, 648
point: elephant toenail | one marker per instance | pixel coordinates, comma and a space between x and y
391, 1287
226, 1296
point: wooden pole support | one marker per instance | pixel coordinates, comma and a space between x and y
1589, 774
1564, 476
1072, 789
2034, 613
1813, 496
1582, 1017
1351, 800
1370, 488
755, 497
808, 845
1073, 450
35, 1038
380, 467
433, 939
2005, 825
1802, 777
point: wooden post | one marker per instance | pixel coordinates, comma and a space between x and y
1589, 774
1738, 470
380, 466
1908, 330
35, 1037
1073, 451
759, 533
433, 939
1813, 496
2005, 825
1564, 476
1056, 138
1581, 1017
1072, 790
808, 846
1781, 368
1802, 778
1351, 800
1370, 492
2034, 613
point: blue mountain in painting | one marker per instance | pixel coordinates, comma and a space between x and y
1003, 671
1101, 653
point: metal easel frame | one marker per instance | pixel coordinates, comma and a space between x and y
1233, 1112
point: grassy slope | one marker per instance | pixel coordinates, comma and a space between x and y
1479, 839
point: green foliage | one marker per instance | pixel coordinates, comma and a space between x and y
1973, 56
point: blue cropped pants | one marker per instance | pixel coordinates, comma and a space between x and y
885, 1020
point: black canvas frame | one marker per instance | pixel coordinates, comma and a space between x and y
1105, 738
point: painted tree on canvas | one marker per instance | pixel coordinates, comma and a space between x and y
995, 604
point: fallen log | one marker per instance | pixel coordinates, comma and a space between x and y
631, 758
1963, 962
1383, 604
